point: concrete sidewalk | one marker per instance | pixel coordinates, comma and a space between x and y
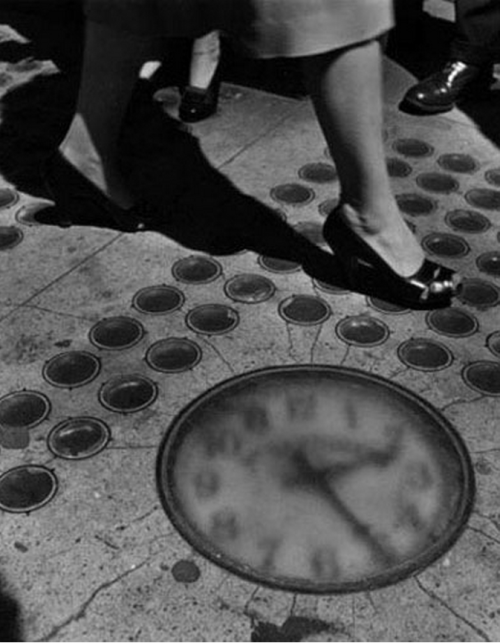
89, 553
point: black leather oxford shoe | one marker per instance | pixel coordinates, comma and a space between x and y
440, 91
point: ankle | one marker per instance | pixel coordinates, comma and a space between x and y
104, 175
368, 221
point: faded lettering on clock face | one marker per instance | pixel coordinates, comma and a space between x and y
323, 481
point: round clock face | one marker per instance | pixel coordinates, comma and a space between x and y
315, 479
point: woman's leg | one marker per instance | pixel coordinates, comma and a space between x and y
346, 89
111, 65
205, 58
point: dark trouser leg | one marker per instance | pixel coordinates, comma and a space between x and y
477, 40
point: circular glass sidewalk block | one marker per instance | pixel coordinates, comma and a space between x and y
362, 330
116, 333
278, 265
128, 393
71, 369
398, 168
445, 245
460, 163
318, 173
437, 182
249, 288
468, 221
304, 310
23, 409
26, 488
479, 293
196, 270
493, 176
386, 307
8, 197
484, 198
212, 319
452, 322
78, 438
489, 262
10, 236
483, 377
158, 300
415, 205
412, 147
292, 194
315, 479
173, 355
424, 354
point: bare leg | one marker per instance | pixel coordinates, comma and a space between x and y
346, 89
111, 65
204, 60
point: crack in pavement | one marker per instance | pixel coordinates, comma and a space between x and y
249, 602
144, 516
346, 355
262, 135
492, 450
315, 342
221, 357
66, 273
399, 371
140, 518
483, 533
461, 401
293, 605
80, 613
369, 598
442, 602
290, 342
59, 313
353, 617
494, 522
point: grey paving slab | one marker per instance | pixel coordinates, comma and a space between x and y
44, 254
97, 562
243, 117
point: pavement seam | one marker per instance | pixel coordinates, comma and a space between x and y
25, 303
262, 135
442, 602
85, 605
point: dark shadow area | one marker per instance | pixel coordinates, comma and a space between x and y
10, 628
165, 166
420, 44
296, 628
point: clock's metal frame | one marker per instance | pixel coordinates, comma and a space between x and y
167, 492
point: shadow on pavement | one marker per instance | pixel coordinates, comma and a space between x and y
165, 166
10, 629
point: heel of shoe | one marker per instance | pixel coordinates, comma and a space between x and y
52, 215
80, 202
199, 104
432, 286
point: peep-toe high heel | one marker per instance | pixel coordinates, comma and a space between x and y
431, 286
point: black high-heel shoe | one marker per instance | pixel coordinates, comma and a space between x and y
432, 286
197, 104
79, 202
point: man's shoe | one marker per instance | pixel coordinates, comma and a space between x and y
440, 91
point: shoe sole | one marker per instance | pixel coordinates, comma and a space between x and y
475, 92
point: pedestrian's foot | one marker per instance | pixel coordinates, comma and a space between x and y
104, 176
440, 91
